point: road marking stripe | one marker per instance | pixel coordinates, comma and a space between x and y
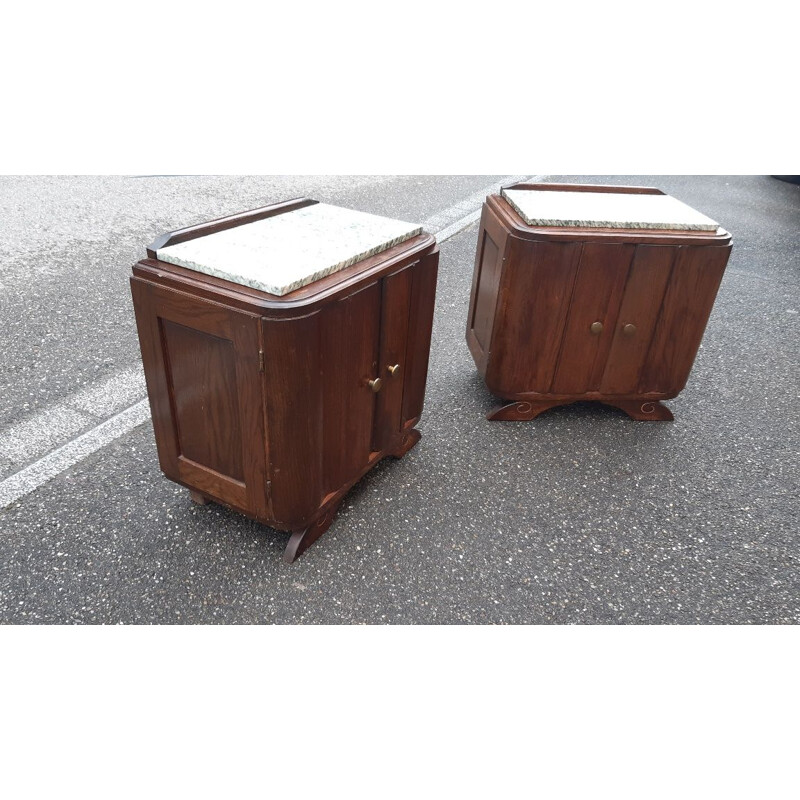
69, 454
35, 435
108, 394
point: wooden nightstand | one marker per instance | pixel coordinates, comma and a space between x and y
286, 352
591, 293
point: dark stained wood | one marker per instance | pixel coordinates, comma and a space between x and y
521, 410
485, 284
538, 284
293, 401
351, 326
489, 271
687, 306
203, 381
182, 339
263, 403
647, 410
596, 295
612, 316
410, 438
301, 540
391, 364
583, 187
644, 294
420, 326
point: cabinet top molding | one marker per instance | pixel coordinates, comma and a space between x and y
282, 252
576, 209
614, 214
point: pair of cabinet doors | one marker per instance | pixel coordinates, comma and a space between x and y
589, 318
276, 411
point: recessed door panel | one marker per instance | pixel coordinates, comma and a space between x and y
204, 384
486, 299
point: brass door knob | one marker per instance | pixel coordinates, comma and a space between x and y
596, 328
375, 384
393, 370
629, 329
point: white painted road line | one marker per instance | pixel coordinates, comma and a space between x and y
42, 432
458, 226
39, 433
66, 456
25, 439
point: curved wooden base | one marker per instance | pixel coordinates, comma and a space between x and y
649, 410
300, 541
409, 440
520, 410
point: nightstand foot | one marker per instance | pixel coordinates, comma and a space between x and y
647, 410
199, 499
410, 438
522, 410
300, 541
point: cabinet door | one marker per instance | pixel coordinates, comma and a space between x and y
349, 347
392, 362
593, 311
202, 365
637, 319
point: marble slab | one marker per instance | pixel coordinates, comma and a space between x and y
606, 210
282, 253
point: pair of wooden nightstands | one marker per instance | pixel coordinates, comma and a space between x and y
286, 349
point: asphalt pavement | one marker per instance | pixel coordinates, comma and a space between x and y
581, 516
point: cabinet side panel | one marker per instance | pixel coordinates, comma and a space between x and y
420, 326
350, 332
641, 304
156, 376
596, 297
294, 413
688, 301
202, 376
535, 294
486, 291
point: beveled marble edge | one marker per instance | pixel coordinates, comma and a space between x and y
274, 289
585, 223
288, 273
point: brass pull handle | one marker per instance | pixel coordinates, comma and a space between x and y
629, 329
393, 370
375, 384
596, 328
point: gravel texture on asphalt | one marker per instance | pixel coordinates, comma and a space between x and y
67, 245
581, 516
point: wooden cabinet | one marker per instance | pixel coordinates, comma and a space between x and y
276, 405
565, 313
